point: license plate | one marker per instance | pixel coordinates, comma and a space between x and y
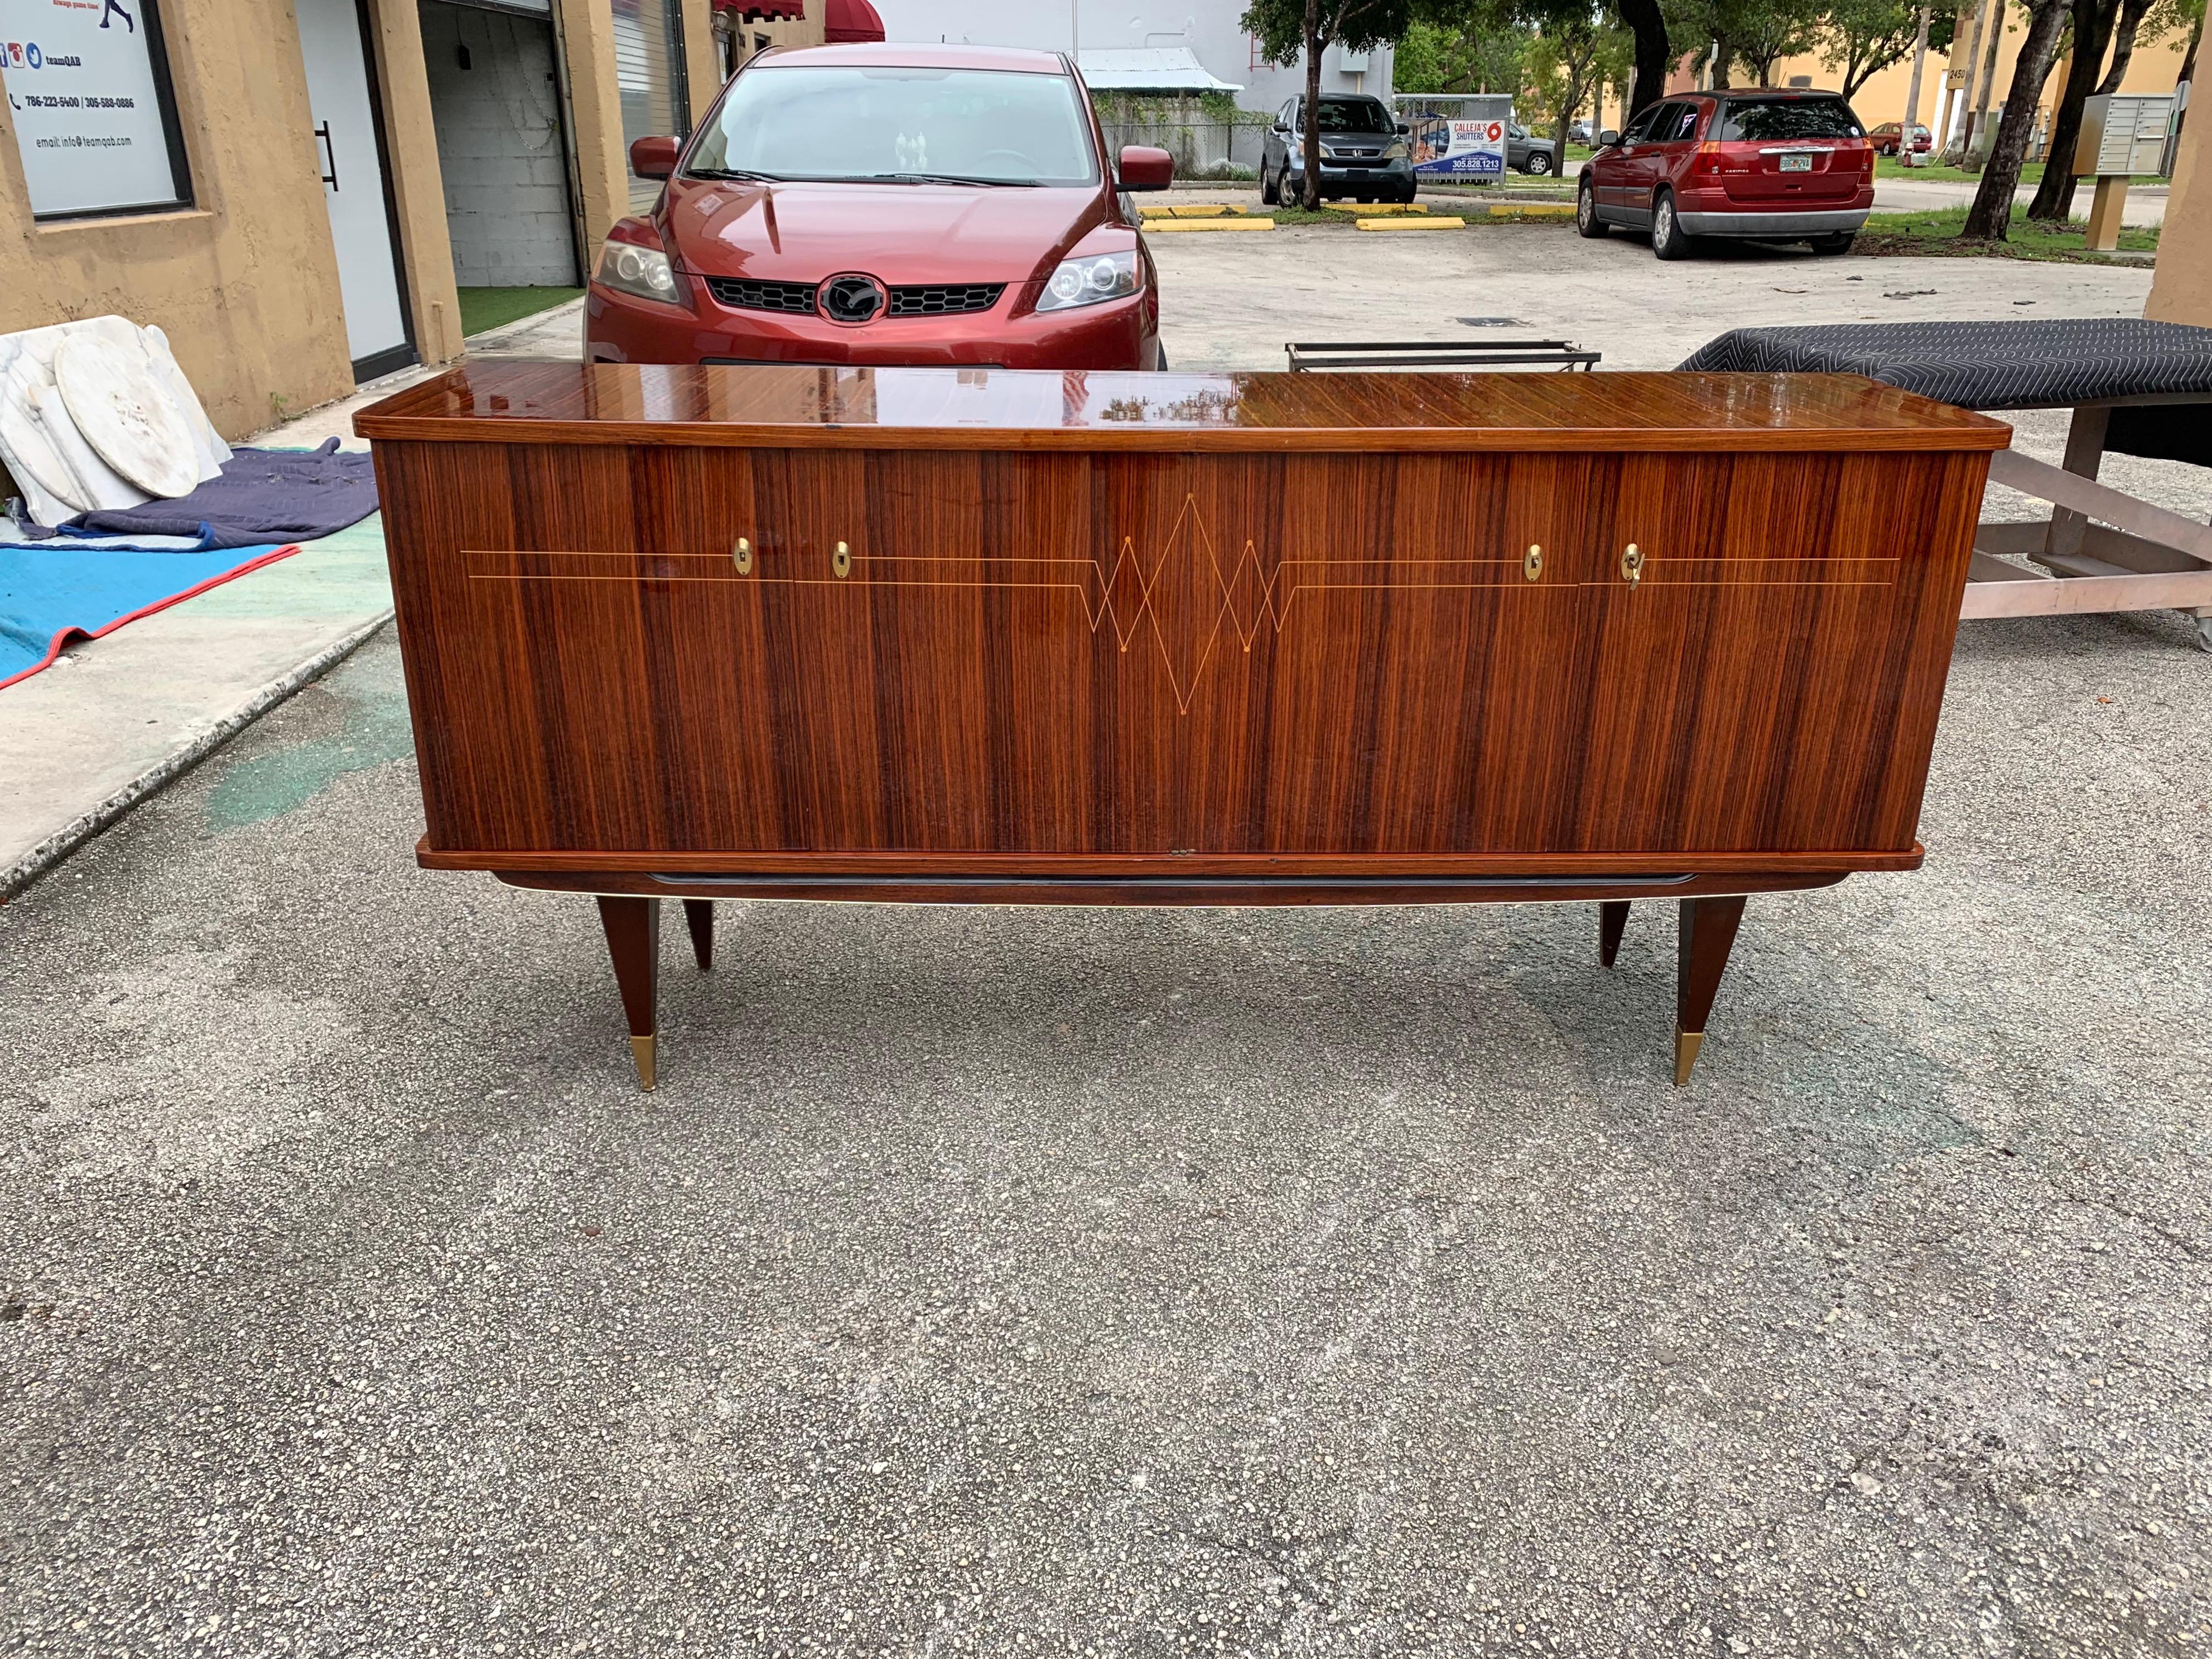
1796, 164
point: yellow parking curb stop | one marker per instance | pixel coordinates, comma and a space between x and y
1535, 209
1158, 226
1409, 224
1373, 210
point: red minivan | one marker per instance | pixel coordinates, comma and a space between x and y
872, 205
1765, 164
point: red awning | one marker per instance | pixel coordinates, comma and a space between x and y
765, 11
850, 20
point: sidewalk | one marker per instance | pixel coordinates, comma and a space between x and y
113, 720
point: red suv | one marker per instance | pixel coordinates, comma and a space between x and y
871, 203
1772, 166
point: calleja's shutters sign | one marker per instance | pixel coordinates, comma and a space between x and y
87, 95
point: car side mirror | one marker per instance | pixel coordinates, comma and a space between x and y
1143, 168
1608, 139
1283, 127
1405, 128
652, 158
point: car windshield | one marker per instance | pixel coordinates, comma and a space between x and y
1768, 120
976, 126
1355, 115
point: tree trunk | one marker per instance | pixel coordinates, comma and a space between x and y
1652, 58
1988, 219
1723, 53
1309, 140
2093, 26
2124, 44
1954, 155
1912, 93
1992, 44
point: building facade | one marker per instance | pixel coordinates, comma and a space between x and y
1208, 31
295, 190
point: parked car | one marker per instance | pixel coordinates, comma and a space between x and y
1580, 133
1889, 137
1771, 166
1363, 152
872, 204
1526, 153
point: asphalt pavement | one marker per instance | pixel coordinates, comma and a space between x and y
1336, 1282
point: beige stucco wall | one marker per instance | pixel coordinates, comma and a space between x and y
418, 187
595, 128
1881, 98
2181, 287
244, 282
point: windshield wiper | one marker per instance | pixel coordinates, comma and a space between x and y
940, 179
732, 172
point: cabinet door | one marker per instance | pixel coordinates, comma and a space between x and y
1412, 698
1771, 681
1140, 653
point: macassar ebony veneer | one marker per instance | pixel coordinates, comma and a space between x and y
985, 637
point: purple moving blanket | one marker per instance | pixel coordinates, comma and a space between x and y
264, 495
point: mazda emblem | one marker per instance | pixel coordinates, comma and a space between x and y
852, 298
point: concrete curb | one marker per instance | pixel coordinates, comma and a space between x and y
58, 846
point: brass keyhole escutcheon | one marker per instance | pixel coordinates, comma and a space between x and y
842, 562
1631, 565
743, 557
1532, 567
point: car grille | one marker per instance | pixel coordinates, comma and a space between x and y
945, 299
1343, 153
741, 295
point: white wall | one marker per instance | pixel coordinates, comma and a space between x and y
1208, 29
499, 146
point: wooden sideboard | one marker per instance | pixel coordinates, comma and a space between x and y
980, 637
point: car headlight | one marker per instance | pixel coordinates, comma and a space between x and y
1087, 280
644, 272
1396, 153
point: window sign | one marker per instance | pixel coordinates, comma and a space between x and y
89, 103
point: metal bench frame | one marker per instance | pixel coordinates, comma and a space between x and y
1308, 356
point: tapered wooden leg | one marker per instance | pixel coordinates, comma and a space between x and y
633, 928
1612, 922
699, 917
1707, 930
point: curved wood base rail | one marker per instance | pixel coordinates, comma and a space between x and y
1162, 893
1255, 868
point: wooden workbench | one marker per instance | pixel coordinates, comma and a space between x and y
980, 637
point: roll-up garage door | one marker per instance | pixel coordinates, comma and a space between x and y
649, 69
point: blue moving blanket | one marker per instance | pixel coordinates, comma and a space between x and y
51, 592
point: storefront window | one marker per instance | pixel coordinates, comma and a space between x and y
90, 105
649, 71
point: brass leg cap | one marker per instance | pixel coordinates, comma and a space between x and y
1685, 1054
640, 1049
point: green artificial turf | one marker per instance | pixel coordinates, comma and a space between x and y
488, 307
2031, 172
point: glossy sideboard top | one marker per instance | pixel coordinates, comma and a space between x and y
777, 406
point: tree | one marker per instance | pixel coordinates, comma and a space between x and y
1286, 27
1764, 30
1653, 59
1570, 56
2093, 27
1485, 50
1991, 213
1859, 38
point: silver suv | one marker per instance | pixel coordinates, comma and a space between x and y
1363, 152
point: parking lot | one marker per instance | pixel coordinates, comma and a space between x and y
1326, 1283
